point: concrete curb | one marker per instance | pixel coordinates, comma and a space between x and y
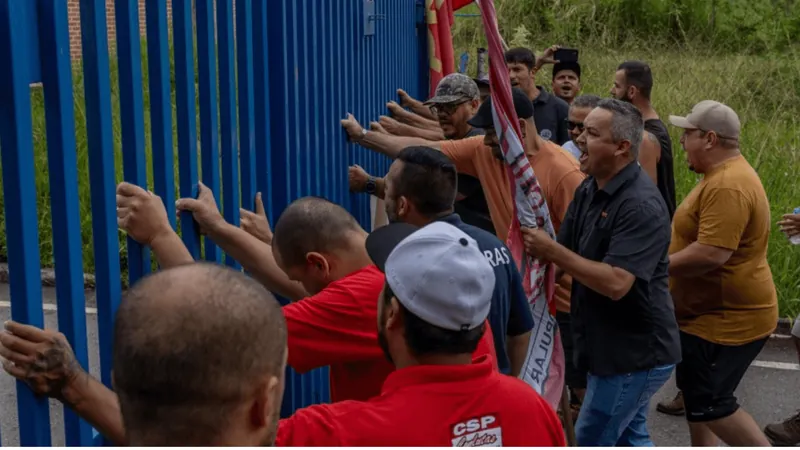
48, 277
784, 328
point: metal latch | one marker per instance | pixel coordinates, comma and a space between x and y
370, 17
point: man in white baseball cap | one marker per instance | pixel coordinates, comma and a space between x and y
431, 317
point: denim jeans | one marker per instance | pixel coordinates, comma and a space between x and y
614, 411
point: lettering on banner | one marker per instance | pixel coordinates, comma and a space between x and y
483, 431
536, 368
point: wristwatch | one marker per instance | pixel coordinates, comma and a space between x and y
370, 185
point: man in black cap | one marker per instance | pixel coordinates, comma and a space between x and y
566, 83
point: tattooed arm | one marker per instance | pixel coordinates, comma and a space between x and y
649, 155
44, 360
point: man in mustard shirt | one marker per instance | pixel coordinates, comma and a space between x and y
725, 299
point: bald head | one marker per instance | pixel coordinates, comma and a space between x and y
312, 224
191, 345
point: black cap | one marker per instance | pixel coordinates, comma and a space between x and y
567, 65
522, 105
383, 240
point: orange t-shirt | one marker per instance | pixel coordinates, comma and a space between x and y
559, 175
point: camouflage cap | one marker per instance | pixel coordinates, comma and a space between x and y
453, 88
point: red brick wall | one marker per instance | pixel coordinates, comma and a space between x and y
73, 8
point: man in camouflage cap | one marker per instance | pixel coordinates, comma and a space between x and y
457, 99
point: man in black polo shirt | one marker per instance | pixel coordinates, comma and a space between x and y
549, 112
614, 242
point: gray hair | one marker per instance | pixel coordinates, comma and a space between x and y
627, 123
586, 101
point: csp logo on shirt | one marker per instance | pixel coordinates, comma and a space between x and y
482, 431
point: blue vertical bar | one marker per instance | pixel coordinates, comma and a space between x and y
227, 113
316, 151
296, 147
131, 106
209, 134
62, 163
160, 103
97, 92
423, 73
187, 116
261, 92
19, 187
244, 46
279, 74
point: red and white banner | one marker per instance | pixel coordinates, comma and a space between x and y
544, 366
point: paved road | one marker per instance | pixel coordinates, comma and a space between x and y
768, 393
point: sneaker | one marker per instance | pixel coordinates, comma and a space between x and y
674, 407
784, 434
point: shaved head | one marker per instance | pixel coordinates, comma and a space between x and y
312, 224
192, 346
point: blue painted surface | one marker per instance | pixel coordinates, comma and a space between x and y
258, 116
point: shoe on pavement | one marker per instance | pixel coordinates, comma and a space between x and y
786, 433
674, 407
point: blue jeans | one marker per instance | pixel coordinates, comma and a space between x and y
614, 410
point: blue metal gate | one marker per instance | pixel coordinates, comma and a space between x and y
258, 94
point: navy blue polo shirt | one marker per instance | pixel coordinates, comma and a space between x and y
510, 314
550, 114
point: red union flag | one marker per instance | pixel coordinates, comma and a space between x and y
544, 365
439, 18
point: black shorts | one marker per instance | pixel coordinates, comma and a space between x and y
709, 374
573, 377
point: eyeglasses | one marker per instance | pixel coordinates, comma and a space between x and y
571, 125
447, 109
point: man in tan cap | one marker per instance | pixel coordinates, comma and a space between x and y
725, 300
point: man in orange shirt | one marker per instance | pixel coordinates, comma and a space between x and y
558, 172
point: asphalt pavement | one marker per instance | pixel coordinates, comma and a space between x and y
769, 391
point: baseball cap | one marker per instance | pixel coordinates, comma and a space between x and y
710, 115
437, 272
522, 104
567, 65
454, 87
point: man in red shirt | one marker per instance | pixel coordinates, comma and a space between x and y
432, 313
317, 259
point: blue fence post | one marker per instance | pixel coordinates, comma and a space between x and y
129, 55
261, 66
62, 164
209, 134
187, 117
278, 44
227, 114
97, 92
158, 66
423, 80
244, 46
16, 138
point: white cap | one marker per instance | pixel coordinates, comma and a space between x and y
437, 272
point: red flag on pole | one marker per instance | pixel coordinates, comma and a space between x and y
439, 17
544, 366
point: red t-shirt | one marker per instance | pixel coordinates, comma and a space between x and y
339, 328
432, 406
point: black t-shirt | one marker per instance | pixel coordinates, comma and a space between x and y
550, 114
625, 225
664, 168
473, 208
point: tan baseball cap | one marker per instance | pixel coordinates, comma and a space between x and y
709, 115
